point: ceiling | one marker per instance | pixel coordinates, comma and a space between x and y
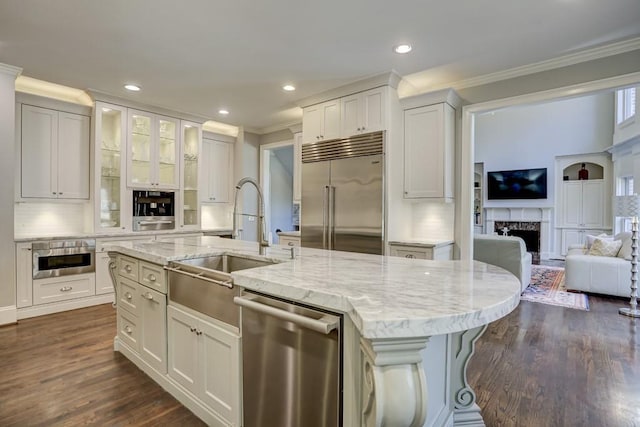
199, 56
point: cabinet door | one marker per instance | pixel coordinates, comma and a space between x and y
351, 115
103, 278
572, 199
424, 152
72, 165
312, 123
373, 104
167, 153
153, 337
220, 158
141, 154
38, 150
24, 274
183, 348
191, 158
330, 120
593, 203
220, 364
571, 237
297, 167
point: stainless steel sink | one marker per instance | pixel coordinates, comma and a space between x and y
205, 284
227, 263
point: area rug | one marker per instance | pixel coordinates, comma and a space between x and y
547, 287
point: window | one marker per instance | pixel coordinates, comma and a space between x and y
626, 105
625, 188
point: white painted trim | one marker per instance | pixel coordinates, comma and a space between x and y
10, 69
282, 126
8, 315
265, 175
537, 67
465, 235
41, 310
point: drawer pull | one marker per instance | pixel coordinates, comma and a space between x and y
128, 329
65, 288
128, 295
409, 256
192, 329
147, 295
198, 333
290, 243
127, 268
152, 278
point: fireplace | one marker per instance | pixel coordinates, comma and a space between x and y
529, 231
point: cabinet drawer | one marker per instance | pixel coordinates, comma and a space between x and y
290, 241
128, 267
128, 331
153, 276
128, 295
63, 288
418, 254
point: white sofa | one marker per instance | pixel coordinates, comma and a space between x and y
508, 252
598, 274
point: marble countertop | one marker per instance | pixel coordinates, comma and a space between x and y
123, 235
424, 243
386, 297
289, 233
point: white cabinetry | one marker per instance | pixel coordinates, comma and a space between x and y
205, 359
24, 274
429, 152
217, 161
189, 181
435, 252
142, 312
363, 112
289, 241
54, 154
583, 203
153, 151
572, 236
321, 121
297, 167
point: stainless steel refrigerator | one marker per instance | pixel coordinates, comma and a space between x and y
342, 194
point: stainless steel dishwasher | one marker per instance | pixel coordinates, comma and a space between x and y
291, 364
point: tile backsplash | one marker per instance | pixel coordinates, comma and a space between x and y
217, 215
47, 219
433, 221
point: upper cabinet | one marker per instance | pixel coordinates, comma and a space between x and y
297, 167
321, 121
215, 176
54, 154
191, 154
110, 140
429, 152
153, 151
363, 112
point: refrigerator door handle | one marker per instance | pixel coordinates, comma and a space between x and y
332, 218
325, 214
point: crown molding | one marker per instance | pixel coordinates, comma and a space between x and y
10, 70
282, 126
537, 67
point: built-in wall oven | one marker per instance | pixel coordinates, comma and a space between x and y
153, 210
63, 257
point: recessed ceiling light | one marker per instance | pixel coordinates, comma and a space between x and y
223, 112
289, 88
402, 48
132, 88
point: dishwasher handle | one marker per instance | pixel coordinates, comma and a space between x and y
324, 325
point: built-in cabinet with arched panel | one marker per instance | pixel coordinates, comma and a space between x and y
584, 206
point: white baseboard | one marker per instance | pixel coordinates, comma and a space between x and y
8, 315
41, 310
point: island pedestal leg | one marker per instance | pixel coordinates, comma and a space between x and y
394, 388
466, 412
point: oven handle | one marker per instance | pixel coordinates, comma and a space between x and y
324, 325
155, 222
228, 283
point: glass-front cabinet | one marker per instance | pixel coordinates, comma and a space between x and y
191, 150
153, 151
110, 133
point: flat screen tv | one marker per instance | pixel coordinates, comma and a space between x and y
517, 184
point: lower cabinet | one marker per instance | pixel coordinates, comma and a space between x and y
205, 359
63, 288
289, 241
444, 252
573, 236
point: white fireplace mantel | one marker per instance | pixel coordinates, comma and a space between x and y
542, 215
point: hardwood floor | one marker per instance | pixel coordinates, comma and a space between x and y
61, 370
551, 366
539, 366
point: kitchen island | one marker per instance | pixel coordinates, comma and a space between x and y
409, 325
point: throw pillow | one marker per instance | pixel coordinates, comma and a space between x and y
605, 247
591, 238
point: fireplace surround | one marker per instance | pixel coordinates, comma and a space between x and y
529, 231
539, 215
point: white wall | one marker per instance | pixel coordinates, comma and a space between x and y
250, 162
532, 136
7, 148
281, 194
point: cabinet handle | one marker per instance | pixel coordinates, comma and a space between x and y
65, 288
127, 268
128, 329
290, 243
147, 295
362, 127
198, 333
60, 194
409, 256
152, 278
128, 295
192, 329
53, 192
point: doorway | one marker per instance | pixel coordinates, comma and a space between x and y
276, 178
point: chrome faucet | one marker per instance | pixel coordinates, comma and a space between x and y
263, 243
